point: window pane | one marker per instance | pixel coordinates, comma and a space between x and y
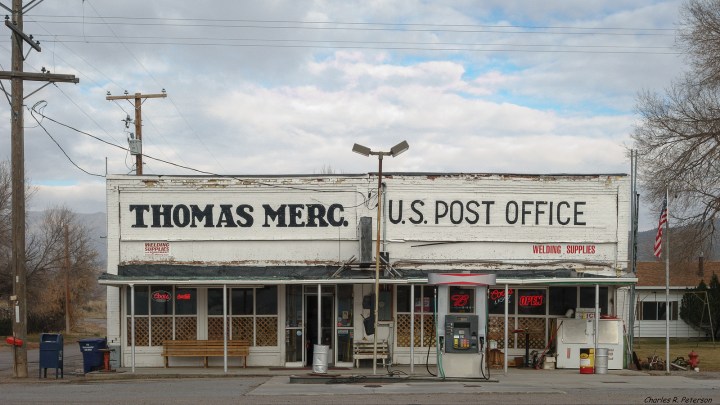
674, 308
425, 299
496, 301
462, 300
661, 311
267, 300
385, 303
141, 301
531, 302
345, 306
215, 301
649, 311
161, 300
587, 298
561, 299
242, 301
185, 301
293, 305
403, 298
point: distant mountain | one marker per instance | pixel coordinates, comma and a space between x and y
646, 242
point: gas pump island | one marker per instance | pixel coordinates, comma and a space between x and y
461, 323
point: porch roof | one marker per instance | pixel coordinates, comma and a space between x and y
207, 275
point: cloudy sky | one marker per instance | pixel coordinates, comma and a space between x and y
286, 87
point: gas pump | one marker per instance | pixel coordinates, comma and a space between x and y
462, 323
461, 332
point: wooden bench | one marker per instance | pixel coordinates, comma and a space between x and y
363, 349
205, 349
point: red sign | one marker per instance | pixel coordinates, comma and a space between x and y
531, 300
183, 297
498, 296
161, 296
460, 300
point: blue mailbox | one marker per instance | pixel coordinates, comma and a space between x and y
51, 353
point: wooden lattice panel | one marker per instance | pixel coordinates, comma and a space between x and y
242, 329
496, 330
161, 329
185, 328
142, 331
215, 328
403, 330
536, 327
267, 330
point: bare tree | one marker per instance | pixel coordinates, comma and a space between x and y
678, 136
48, 264
46, 258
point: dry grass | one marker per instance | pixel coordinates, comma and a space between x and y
709, 353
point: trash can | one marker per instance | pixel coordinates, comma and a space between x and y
51, 354
601, 361
587, 360
93, 357
320, 360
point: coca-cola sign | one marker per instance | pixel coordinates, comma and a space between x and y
161, 296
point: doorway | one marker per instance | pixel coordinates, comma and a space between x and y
311, 325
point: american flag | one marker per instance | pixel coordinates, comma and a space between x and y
661, 223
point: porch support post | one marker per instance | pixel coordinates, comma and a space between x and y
132, 323
412, 328
505, 352
225, 329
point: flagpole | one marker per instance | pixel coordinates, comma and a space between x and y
667, 285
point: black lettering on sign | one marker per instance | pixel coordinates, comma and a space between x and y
275, 215
416, 210
139, 217
205, 215
391, 209
243, 211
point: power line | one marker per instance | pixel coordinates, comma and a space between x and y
32, 113
394, 48
334, 41
281, 186
391, 26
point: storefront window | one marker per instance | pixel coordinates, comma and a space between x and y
462, 300
252, 313
345, 305
267, 300
185, 301
385, 303
141, 300
162, 312
587, 298
531, 302
561, 299
424, 320
215, 301
496, 301
242, 301
161, 300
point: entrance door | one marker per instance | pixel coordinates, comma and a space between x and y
311, 325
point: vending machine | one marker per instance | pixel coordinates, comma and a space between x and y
462, 323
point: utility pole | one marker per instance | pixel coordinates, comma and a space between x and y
67, 279
17, 77
139, 99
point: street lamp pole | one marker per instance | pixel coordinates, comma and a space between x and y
365, 151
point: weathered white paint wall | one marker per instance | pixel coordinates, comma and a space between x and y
471, 221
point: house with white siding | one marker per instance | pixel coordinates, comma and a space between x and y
650, 297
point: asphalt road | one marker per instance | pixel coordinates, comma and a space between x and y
518, 387
277, 390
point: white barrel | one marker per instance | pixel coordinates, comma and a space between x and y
601, 361
320, 359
